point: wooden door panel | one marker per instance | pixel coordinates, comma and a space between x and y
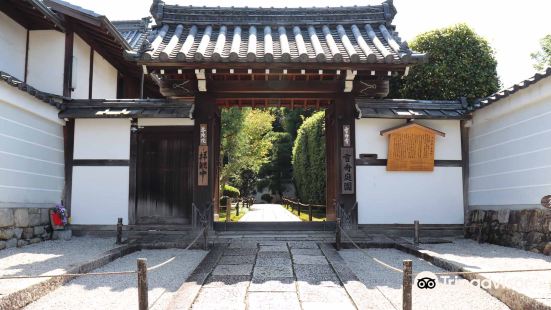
164, 188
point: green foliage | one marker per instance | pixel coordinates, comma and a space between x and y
309, 160
461, 64
277, 172
231, 191
245, 142
267, 197
247, 182
543, 56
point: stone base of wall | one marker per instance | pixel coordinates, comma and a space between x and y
528, 229
23, 226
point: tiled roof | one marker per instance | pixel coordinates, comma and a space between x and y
513, 89
51, 99
126, 108
134, 31
412, 109
362, 34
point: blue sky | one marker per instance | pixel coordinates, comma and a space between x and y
513, 28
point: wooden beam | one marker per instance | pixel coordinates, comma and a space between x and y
68, 143
91, 74
68, 64
275, 86
465, 164
132, 194
26, 58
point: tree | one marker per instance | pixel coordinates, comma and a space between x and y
276, 173
245, 142
309, 159
543, 56
461, 64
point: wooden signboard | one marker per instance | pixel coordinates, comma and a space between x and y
411, 147
203, 177
347, 170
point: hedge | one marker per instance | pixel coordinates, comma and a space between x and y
309, 160
231, 191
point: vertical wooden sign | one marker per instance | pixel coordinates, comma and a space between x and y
347, 170
346, 139
203, 165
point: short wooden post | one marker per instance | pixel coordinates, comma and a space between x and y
310, 213
205, 236
407, 285
237, 208
416, 233
143, 302
228, 209
338, 234
299, 205
119, 230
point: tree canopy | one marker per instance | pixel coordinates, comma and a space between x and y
461, 64
542, 57
309, 160
246, 142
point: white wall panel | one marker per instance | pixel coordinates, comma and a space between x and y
99, 195
81, 68
31, 150
104, 84
510, 149
402, 197
102, 139
369, 140
13, 42
46, 60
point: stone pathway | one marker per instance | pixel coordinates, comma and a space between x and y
269, 213
273, 275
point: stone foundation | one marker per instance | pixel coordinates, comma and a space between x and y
528, 229
23, 226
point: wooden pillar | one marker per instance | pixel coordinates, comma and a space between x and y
207, 113
338, 116
132, 169
465, 165
68, 64
68, 143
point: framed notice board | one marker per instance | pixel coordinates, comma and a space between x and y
411, 147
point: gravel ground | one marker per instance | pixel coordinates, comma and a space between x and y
474, 256
381, 281
50, 257
120, 291
269, 213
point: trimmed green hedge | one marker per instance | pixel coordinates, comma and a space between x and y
231, 191
309, 160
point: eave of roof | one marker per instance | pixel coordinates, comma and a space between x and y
513, 89
51, 99
412, 109
33, 9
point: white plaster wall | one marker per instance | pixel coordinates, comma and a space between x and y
99, 195
46, 60
370, 141
403, 197
102, 139
81, 68
165, 122
13, 38
31, 150
104, 81
510, 150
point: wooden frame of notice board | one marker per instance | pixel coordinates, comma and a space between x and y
411, 147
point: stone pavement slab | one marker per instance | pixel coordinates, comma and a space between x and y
274, 248
270, 272
240, 251
274, 254
273, 301
227, 281
273, 285
323, 294
237, 259
309, 260
273, 261
306, 252
243, 245
302, 245
233, 270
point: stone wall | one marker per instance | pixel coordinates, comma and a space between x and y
23, 226
528, 229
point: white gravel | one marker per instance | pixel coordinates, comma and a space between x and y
474, 256
49, 257
120, 291
384, 282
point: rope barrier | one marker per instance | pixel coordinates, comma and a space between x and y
439, 273
365, 252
